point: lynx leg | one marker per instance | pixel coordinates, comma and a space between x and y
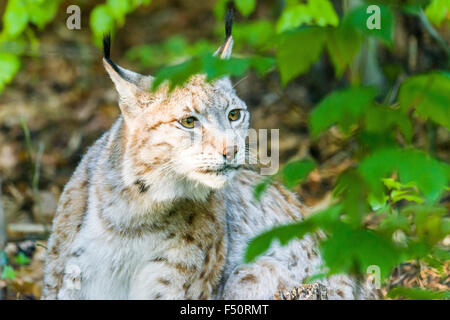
259, 280
155, 281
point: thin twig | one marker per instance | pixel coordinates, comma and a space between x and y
2, 231
2, 221
435, 35
35, 162
239, 81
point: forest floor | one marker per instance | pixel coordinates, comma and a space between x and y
67, 101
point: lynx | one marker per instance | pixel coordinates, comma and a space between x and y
159, 209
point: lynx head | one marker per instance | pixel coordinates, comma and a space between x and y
193, 135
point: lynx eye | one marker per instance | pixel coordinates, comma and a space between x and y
234, 115
188, 122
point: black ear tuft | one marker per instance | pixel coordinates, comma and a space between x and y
107, 46
229, 17
107, 52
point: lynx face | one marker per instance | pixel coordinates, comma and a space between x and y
194, 134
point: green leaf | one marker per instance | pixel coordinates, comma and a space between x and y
315, 277
213, 67
429, 94
119, 8
291, 174
8, 273
220, 8
371, 141
296, 171
441, 254
285, 233
430, 175
261, 187
392, 184
167, 52
15, 18
140, 2
102, 22
408, 195
343, 44
293, 17
430, 224
437, 11
381, 119
393, 222
349, 250
245, 6
323, 13
418, 294
344, 108
42, 12
298, 50
357, 18
316, 12
258, 34
353, 190
9, 64
22, 259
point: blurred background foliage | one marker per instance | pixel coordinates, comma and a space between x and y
363, 114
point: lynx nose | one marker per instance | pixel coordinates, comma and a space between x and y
229, 153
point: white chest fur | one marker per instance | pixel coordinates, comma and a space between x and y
180, 258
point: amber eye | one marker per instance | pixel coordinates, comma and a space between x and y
234, 115
188, 122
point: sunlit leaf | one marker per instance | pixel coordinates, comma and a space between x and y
119, 8
9, 66
22, 259
15, 18
323, 13
8, 273
418, 294
42, 11
245, 6
316, 12
430, 175
102, 22
437, 11
408, 195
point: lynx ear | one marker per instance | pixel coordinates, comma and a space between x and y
224, 51
129, 84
